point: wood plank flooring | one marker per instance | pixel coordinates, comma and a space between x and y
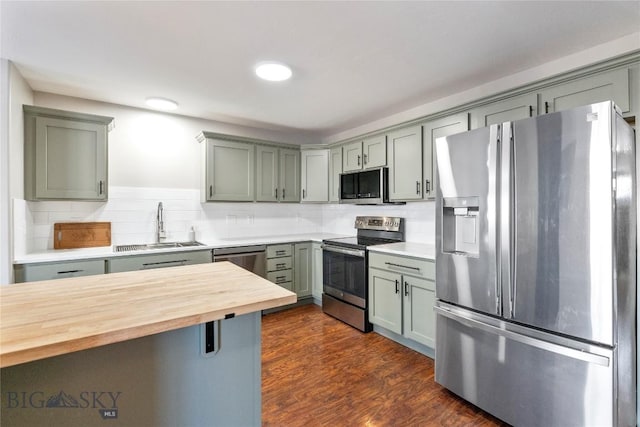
317, 371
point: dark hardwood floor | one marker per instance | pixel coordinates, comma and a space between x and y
317, 371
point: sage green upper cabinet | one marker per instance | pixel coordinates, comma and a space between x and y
289, 175
435, 129
352, 157
374, 152
228, 171
515, 108
405, 164
612, 85
278, 174
315, 176
368, 153
267, 174
335, 169
65, 155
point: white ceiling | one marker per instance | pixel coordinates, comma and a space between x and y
353, 62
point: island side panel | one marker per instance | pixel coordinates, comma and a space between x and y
159, 380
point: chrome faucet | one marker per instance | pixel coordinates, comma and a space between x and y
160, 233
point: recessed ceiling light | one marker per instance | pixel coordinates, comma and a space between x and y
273, 71
162, 104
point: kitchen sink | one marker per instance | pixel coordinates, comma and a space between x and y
163, 245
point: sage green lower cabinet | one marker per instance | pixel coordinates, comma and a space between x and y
165, 260
65, 155
228, 171
280, 265
335, 169
303, 269
405, 164
514, 108
402, 296
58, 270
315, 176
316, 267
430, 132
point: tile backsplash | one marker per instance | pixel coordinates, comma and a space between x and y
132, 213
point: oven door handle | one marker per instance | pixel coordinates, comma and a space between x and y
354, 252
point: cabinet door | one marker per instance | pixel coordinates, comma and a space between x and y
71, 159
613, 85
315, 176
289, 175
302, 269
230, 171
352, 157
516, 108
435, 129
405, 164
316, 271
335, 169
419, 321
58, 270
266, 174
374, 151
385, 299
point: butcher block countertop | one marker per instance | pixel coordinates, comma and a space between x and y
54, 317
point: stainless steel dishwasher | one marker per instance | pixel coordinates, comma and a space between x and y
252, 258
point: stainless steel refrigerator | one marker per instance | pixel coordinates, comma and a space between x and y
536, 268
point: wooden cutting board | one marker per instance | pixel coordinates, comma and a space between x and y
71, 235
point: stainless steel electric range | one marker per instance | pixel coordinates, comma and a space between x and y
345, 266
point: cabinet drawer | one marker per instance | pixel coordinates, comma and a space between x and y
277, 264
146, 262
405, 265
279, 277
58, 270
275, 251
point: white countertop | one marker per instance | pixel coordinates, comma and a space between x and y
415, 250
108, 252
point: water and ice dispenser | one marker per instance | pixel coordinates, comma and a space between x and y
460, 226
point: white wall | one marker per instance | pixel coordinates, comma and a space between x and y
14, 92
154, 149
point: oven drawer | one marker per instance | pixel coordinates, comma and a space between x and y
411, 266
279, 277
274, 251
277, 264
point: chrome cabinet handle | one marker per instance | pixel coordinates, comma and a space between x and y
365, 159
276, 193
283, 196
406, 289
397, 287
391, 264
417, 187
427, 186
101, 185
211, 191
69, 271
358, 159
546, 107
304, 194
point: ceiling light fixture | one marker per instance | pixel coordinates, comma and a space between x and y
162, 104
273, 71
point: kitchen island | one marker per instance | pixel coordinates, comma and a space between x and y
131, 348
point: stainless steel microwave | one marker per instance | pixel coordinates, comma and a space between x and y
370, 187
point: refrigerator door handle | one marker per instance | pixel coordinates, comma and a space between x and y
533, 342
507, 214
